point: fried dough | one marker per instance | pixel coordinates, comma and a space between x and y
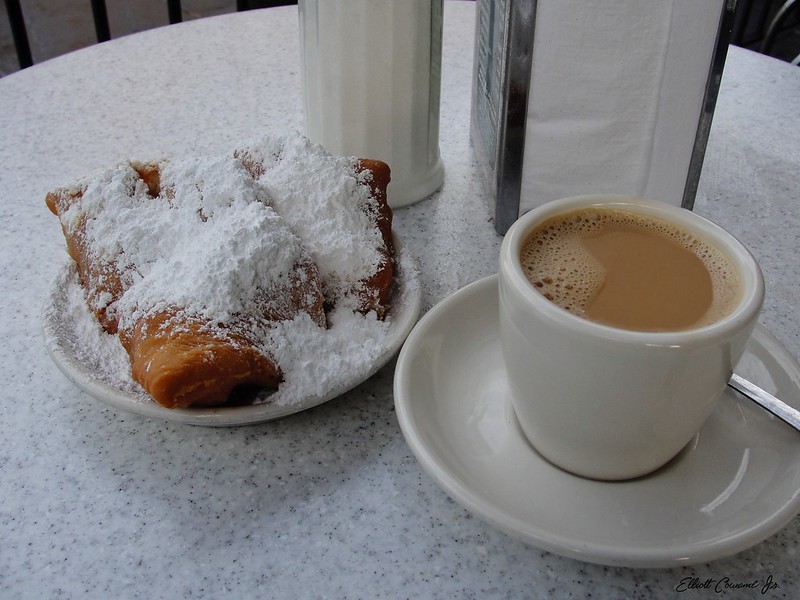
191, 262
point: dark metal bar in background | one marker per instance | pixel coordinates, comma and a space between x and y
19, 33
175, 11
101, 20
251, 5
709, 103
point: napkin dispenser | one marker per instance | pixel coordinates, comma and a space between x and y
572, 97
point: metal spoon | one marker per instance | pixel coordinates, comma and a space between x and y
777, 407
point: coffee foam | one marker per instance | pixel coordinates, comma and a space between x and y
559, 267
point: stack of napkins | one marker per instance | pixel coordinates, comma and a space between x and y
616, 95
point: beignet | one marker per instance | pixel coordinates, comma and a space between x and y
191, 262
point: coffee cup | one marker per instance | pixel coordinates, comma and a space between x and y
618, 347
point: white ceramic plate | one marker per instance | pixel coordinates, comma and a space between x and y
737, 482
98, 376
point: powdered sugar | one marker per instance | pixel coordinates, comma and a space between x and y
323, 362
314, 359
211, 247
324, 201
73, 332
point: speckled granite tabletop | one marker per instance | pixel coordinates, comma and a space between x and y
328, 503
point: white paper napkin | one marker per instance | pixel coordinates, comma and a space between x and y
616, 93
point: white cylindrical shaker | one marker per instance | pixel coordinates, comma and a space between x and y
371, 85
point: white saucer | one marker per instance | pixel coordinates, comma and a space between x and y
102, 370
736, 484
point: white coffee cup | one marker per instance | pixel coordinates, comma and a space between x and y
611, 403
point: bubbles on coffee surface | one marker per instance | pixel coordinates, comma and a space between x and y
557, 264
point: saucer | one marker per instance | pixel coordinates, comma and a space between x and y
734, 485
96, 362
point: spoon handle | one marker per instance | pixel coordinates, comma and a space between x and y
778, 408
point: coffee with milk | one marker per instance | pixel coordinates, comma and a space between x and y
630, 271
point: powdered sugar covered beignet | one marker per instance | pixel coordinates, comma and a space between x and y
337, 207
189, 264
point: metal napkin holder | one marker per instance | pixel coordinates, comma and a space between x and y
504, 34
